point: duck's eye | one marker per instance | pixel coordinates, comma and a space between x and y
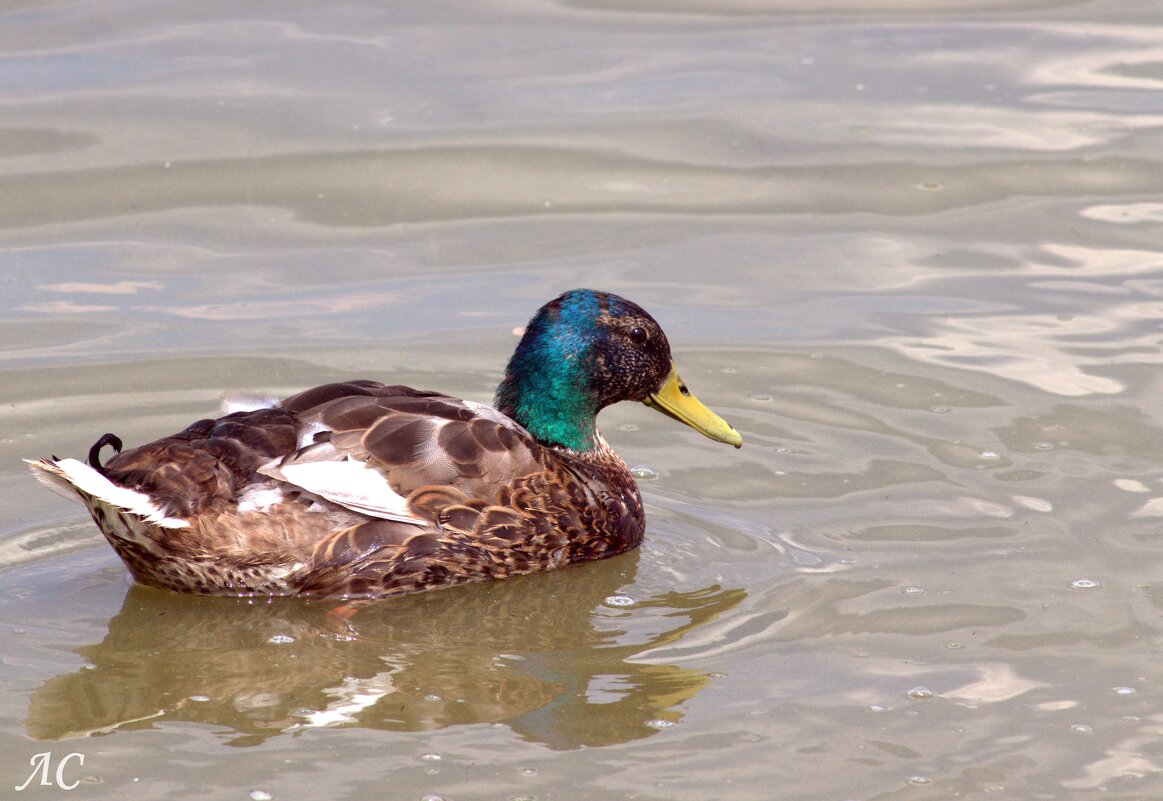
638, 335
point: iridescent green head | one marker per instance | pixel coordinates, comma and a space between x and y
583, 351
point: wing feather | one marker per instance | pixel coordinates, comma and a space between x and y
355, 485
399, 454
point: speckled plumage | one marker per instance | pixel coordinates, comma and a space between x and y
359, 489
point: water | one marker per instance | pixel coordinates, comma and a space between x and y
911, 252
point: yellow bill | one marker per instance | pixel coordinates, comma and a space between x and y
674, 400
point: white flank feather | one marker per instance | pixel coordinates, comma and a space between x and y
353, 484
66, 474
259, 499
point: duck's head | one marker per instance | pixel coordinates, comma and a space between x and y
583, 351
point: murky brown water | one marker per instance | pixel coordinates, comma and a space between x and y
910, 249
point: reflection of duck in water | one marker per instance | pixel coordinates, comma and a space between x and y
545, 657
359, 489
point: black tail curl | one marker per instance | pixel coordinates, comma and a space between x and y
95, 451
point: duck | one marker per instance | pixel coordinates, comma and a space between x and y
363, 490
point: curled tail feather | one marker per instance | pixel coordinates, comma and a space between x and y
95, 451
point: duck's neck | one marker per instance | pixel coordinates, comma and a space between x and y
553, 403
550, 386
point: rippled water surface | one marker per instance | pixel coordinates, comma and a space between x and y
911, 249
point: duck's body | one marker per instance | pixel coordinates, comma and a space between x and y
365, 490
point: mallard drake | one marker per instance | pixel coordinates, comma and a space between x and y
358, 489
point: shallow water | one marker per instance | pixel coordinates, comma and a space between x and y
911, 252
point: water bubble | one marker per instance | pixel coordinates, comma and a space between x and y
1124, 690
201, 699
280, 639
730, 369
1043, 446
877, 708
529, 771
522, 798
920, 693
260, 795
919, 780
618, 600
761, 397
432, 697
628, 427
1085, 584
913, 590
644, 473
953, 644
430, 757
1081, 728
432, 797
660, 724
940, 409
991, 455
